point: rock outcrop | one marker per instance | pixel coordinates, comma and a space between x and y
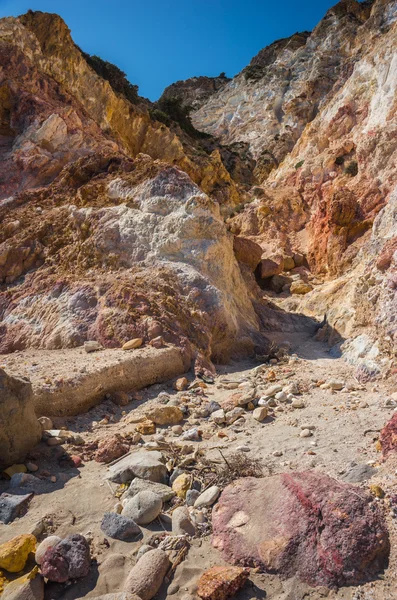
19, 427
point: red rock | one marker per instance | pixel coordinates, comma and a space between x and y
220, 583
271, 266
302, 524
109, 449
76, 460
388, 437
247, 251
70, 559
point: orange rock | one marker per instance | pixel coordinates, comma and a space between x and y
181, 384
220, 583
147, 427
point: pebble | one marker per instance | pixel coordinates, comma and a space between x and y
281, 397
297, 403
132, 344
92, 346
305, 433
335, 385
142, 550
182, 484
191, 497
177, 429
277, 453
45, 423
31, 467
208, 498
143, 508
243, 449
260, 413
218, 417
181, 523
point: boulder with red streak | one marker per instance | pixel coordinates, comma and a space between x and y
302, 524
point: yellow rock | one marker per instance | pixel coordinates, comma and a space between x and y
165, 415
182, 485
147, 427
250, 406
15, 469
15, 552
3, 582
131, 344
300, 287
181, 384
376, 491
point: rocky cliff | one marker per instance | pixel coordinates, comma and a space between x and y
318, 111
119, 220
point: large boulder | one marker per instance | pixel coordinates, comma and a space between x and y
146, 465
19, 427
302, 524
247, 251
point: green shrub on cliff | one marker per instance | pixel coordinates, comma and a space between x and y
115, 76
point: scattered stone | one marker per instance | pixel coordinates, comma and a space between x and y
119, 527
146, 577
191, 497
243, 449
50, 542
146, 427
140, 485
70, 559
281, 397
92, 346
297, 403
165, 415
46, 423
182, 484
260, 413
55, 441
359, 473
13, 506
292, 525
220, 583
208, 497
31, 467
305, 433
143, 464
191, 435
335, 385
120, 398
181, 384
233, 415
300, 287
377, 491
143, 508
277, 453
132, 344
218, 417
177, 429
181, 523
109, 449
15, 552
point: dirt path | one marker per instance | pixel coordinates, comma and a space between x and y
344, 431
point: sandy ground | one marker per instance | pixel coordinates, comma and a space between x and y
346, 425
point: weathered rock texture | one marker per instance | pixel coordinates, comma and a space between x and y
19, 427
318, 111
303, 524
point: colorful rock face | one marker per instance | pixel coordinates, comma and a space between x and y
302, 524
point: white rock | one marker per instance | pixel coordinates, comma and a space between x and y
47, 543
281, 397
208, 497
297, 403
92, 346
260, 413
305, 433
218, 417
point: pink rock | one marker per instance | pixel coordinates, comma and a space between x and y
302, 524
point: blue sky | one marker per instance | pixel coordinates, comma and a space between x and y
157, 42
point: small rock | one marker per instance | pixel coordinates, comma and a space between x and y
146, 577
49, 542
146, 427
277, 453
109, 449
142, 550
260, 413
119, 527
297, 403
243, 449
13, 506
218, 417
220, 583
26, 587
335, 385
191, 497
15, 552
132, 344
181, 384
305, 433
233, 415
69, 559
300, 287
31, 467
376, 491
92, 346
120, 398
143, 508
181, 523
208, 498
55, 441
182, 484
192, 435
140, 485
359, 473
165, 415
45, 423
143, 464
281, 397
